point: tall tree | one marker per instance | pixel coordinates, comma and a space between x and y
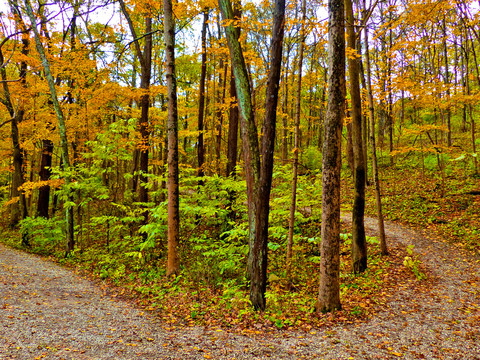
371, 109
296, 144
145, 60
173, 262
259, 174
201, 96
19, 209
61, 124
329, 290
359, 244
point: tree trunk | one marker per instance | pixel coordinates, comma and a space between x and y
145, 59
359, 244
329, 289
259, 271
259, 179
45, 173
201, 97
232, 146
376, 182
173, 262
251, 151
19, 209
296, 146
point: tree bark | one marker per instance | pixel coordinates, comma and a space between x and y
45, 173
259, 272
173, 262
201, 97
329, 289
232, 146
259, 176
359, 244
248, 128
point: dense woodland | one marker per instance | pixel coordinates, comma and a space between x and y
180, 149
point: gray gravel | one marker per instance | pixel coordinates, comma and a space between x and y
47, 311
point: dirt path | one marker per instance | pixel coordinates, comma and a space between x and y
49, 312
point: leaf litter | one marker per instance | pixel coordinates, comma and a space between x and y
48, 311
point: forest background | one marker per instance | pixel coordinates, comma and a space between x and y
104, 205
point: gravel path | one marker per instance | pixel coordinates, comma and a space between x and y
47, 311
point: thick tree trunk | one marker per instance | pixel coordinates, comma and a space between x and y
329, 289
359, 244
173, 262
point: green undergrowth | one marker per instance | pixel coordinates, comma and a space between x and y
211, 288
209, 291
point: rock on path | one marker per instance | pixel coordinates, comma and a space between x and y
47, 311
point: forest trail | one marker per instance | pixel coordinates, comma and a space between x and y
47, 311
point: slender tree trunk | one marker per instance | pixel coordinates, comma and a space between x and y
61, 125
390, 99
447, 83
144, 119
45, 173
173, 262
222, 83
259, 179
232, 146
258, 284
376, 182
296, 146
285, 110
359, 244
329, 289
201, 97
251, 151
145, 59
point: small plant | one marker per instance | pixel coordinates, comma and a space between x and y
411, 261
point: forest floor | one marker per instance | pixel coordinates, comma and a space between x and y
48, 311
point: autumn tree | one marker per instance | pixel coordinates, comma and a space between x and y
359, 244
173, 264
61, 124
145, 59
329, 291
259, 171
19, 208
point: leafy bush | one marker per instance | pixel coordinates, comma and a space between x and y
45, 236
